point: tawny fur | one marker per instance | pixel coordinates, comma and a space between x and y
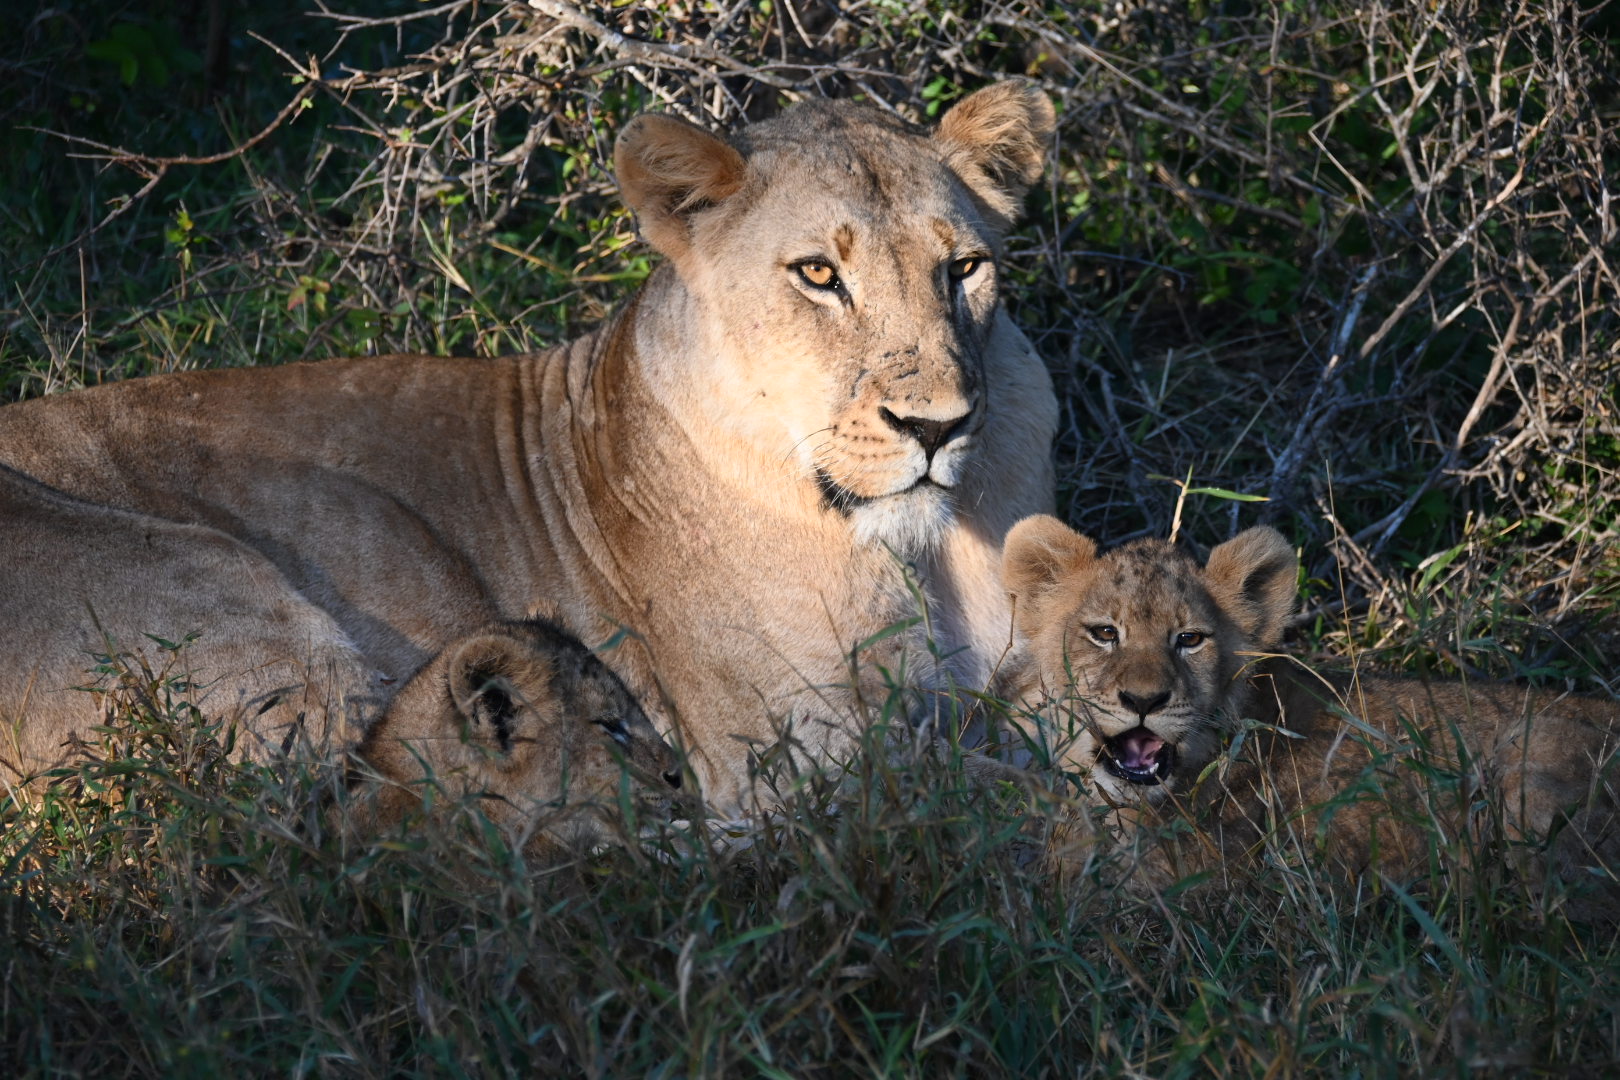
83, 584
733, 467
1366, 768
527, 719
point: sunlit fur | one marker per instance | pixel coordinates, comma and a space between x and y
844, 371
1371, 768
733, 468
1148, 595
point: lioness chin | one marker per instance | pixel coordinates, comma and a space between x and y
816, 386
524, 717
1153, 661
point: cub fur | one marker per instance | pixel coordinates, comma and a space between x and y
524, 716
1156, 660
813, 405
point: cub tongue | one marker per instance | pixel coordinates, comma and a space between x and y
1137, 749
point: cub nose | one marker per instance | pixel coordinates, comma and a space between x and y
1143, 705
930, 434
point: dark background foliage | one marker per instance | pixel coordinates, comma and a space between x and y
1356, 259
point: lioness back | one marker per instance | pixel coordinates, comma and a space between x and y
813, 414
1157, 660
525, 717
276, 669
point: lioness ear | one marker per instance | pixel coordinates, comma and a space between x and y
497, 684
1253, 577
1038, 553
996, 141
667, 170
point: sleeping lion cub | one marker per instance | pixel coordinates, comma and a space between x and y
526, 717
1154, 659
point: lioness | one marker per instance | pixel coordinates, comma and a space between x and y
524, 715
1158, 659
817, 385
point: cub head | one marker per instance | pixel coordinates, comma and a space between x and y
839, 266
524, 716
1142, 645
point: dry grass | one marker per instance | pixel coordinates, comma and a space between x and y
1357, 259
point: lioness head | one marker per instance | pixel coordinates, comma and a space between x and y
841, 266
1142, 643
525, 716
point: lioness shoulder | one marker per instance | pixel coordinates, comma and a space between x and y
1152, 660
525, 717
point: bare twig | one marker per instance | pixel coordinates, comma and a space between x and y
1318, 412
695, 56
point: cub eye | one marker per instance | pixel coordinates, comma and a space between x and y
961, 269
1104, 634
819, 275
614, 728
1189, 639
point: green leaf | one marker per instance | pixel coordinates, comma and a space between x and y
1213, 492
1431, 928
1224, 493
889, 631
1436, 564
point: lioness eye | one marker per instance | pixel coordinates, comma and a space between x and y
818, 275
1189, 639
963, 268
1103, 635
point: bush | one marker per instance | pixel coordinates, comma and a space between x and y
1356, 259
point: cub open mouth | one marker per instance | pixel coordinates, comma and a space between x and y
1138, 756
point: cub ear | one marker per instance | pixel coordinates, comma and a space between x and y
995, 139
499, 684
1253, 577
1038, 553
669, 169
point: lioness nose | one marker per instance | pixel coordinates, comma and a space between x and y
1143, 705
931, 434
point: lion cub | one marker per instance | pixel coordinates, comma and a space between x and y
526, 717
1155, 659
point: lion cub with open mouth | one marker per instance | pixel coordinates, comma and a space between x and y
1157, 659
524, 716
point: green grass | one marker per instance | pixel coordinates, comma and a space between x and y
198, 916
1229, 185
